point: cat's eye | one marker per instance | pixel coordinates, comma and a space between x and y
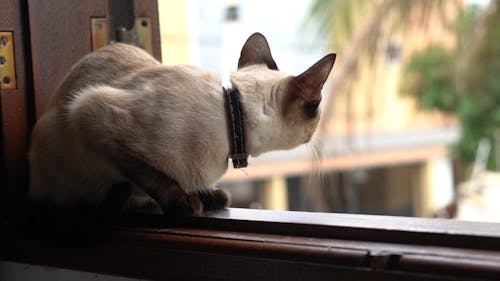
312, 108
314, 104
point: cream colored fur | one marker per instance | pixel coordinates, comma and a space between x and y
119, 101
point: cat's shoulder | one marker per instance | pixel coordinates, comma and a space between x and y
120, 53
121, 49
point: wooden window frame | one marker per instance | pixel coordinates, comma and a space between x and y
244, 244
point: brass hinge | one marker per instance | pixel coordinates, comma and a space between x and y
7, 63
140, 35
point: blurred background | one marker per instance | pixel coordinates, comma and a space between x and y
410, 113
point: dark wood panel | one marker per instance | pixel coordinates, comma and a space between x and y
14, 108
193, 253
60, 35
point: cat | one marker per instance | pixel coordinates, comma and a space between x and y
122, 122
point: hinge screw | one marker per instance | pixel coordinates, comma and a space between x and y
3, 60
4, 41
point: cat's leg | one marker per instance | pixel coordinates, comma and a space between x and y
115, 199
140, 202
171, 198
214, 199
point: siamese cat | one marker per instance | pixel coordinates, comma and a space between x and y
121, 127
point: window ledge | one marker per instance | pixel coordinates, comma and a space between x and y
242, 244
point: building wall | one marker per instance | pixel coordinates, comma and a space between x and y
371, 99
174, 31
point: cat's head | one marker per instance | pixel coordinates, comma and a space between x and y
281, 110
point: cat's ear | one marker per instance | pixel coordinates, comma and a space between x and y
256, 51
311, 81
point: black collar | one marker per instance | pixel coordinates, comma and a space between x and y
237, 133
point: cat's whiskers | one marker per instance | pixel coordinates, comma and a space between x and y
315, 180
243, 170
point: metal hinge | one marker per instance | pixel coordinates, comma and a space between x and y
140, 35
7, 62
121, 25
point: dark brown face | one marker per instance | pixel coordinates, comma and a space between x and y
301, 110
303, 97
300, 99
304, 91
311, 108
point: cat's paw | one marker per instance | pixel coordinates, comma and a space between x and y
214, 199
188, 205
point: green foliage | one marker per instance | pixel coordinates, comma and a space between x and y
471, 92
428, 77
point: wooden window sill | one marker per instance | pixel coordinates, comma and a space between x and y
242, 244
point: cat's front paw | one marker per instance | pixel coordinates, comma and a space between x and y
214, 199
188, 205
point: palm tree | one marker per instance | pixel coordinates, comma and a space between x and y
354, 26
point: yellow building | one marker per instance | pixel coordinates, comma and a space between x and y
385, 131
174, 31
